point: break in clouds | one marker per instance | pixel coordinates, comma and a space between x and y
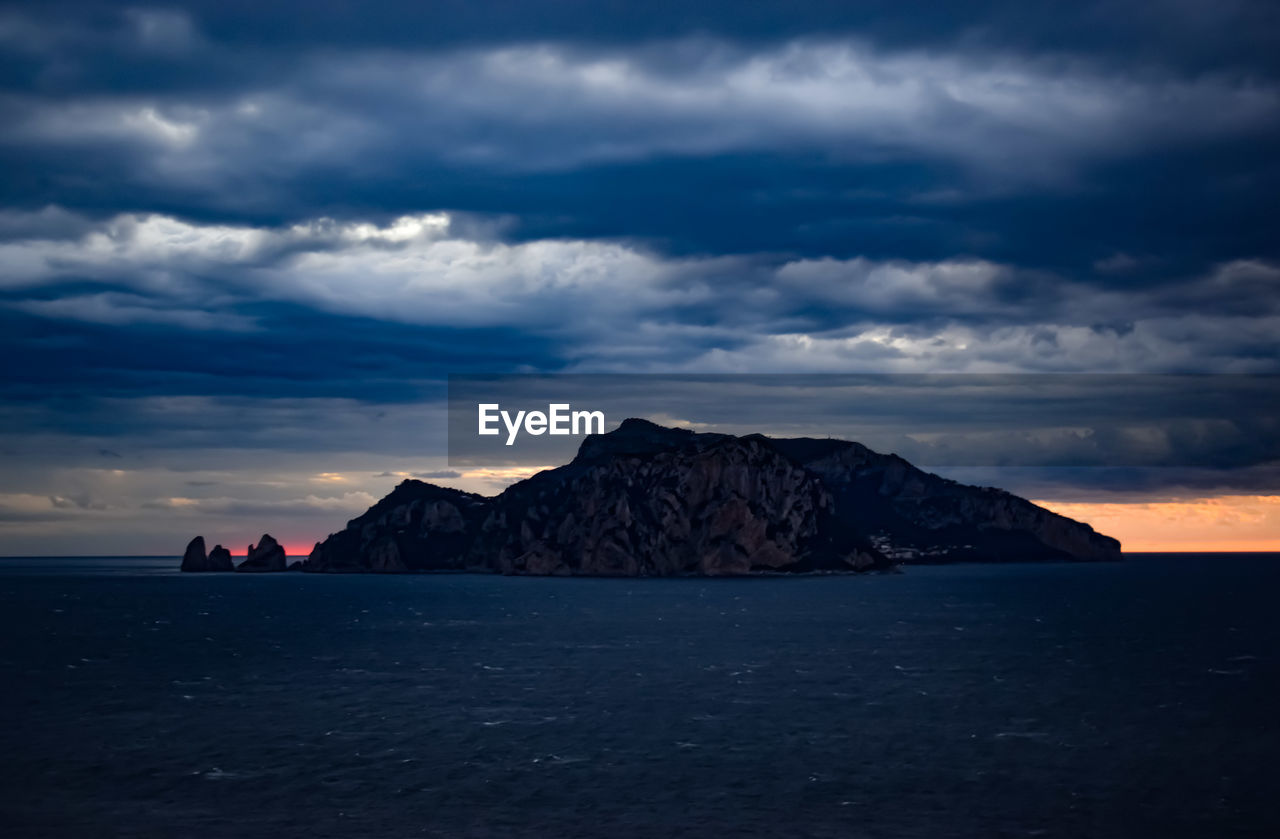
227, 256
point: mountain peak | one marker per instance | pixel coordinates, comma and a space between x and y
636, 436
641, 424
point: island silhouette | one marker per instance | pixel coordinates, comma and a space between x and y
647, 500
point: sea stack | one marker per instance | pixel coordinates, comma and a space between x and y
194, 558
220, 559
267, 555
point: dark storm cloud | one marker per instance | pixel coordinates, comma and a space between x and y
292, 352
1194, 35
877, 132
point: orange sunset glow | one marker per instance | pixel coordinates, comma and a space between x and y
1218, 523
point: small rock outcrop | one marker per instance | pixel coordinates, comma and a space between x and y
194, 558
220, 559
267, 555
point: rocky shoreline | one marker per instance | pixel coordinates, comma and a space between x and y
645, 500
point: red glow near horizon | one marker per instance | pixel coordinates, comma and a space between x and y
293, 551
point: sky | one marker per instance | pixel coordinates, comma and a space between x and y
243, 245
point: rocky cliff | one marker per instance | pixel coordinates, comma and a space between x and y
693, 504
418, 527
644, 500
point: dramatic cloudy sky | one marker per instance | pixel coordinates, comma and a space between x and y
243, 244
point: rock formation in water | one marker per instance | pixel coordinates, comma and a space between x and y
654, 501
220, 559
195, 559
267, 555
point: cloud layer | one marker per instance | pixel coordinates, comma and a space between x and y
239, 251
615, 306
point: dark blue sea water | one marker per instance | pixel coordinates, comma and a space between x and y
1137, 699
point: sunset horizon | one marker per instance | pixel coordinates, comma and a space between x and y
1140, 526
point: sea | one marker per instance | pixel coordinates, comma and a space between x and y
1130, 699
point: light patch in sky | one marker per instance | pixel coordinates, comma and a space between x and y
1216, 523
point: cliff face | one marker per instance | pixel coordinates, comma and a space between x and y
654, 501
710, 506
418, 527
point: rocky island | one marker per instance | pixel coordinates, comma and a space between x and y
646, 500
